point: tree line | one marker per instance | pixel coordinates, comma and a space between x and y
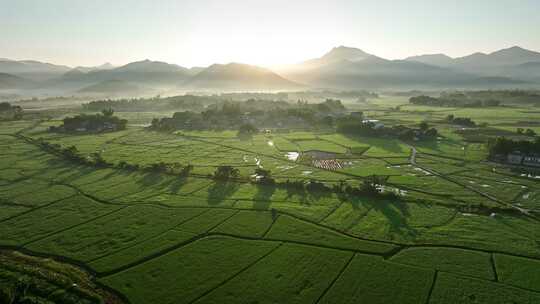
91, 123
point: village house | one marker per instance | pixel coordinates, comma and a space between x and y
515, 158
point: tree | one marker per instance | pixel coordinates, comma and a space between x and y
520, 131
264, 176
107, 112
424, 126
226, 172
247, 130
530, 132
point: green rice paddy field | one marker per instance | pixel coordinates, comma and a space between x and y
161, 238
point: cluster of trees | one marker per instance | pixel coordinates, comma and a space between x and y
462, 121
527, 132
505, 146
454, 100
93, 123
353, 126
158, 103
233, 115
508, 96
72, 154
10, 112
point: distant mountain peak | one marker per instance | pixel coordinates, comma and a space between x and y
345, 53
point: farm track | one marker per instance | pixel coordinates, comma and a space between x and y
486, 195
434, 281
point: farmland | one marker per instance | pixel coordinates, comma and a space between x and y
454, 227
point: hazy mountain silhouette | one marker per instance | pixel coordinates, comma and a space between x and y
514, 62
340, 68
105, 66
31, 69
236, 76
433, 59
113, 87
8, 81
348, 68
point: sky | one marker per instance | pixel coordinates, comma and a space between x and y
268, 33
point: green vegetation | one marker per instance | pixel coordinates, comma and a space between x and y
518, 271
288, 215
10, 112
91, 123
26, 279
466, 262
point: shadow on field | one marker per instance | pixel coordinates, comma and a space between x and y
151, 179
395, 211
391, 145
220, 191
176, 185
263, 197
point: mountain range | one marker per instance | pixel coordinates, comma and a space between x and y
340, 68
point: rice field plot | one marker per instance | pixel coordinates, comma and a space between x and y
346, 214
387, 220
506, 192
246, 223
12, 127
441, 166
290, 274
206, 221
294, 230
426, 215
381, 147
369, 166
342, 140
111, 233
9, 209
454, 149
204, 265
321, 145
140, 251
294, 136
437, 186
283, 144
453, 289
518, 271
464, 262
485, 232
370, 279
227, 134
42, 197
42, 222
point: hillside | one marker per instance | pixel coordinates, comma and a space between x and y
350, 68
113, 87
236, 76
8, 81
32, 69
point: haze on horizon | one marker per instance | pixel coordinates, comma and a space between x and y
203, 32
